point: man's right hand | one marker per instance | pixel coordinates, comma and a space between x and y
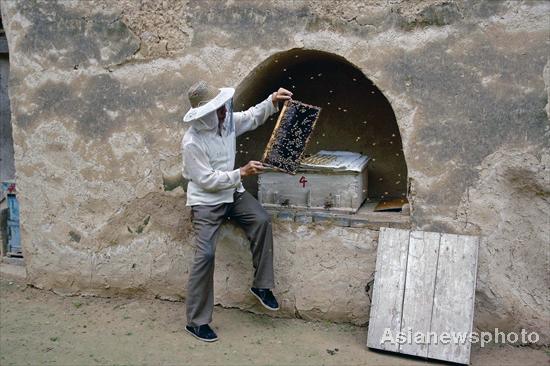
252, 168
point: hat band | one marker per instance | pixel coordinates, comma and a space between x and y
202, 102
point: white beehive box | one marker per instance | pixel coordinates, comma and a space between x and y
328, 180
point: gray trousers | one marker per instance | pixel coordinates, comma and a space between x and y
207, 220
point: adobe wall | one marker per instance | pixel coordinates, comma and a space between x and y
98, 94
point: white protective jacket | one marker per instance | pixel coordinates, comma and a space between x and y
209, 159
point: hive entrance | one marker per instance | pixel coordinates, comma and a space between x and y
356, 116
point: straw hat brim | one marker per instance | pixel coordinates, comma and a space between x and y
223, 96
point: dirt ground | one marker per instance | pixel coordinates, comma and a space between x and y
41, 328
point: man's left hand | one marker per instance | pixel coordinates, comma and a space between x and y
280, 96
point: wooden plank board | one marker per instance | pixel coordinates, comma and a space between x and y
419, 289
389, 284
453, 308
391, 204
424, 284
290, 136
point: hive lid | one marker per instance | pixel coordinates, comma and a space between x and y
335, 161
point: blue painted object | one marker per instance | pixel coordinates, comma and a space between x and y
14, 236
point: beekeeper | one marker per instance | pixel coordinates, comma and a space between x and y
215, 193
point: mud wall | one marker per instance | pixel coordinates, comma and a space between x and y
98, 92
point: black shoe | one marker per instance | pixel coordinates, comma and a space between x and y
202, 332
266, 298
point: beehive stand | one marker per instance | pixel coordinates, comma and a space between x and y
290, 136
424, 282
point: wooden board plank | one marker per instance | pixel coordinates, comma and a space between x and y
419, 289
290, 136
391, 204
389, 284
453, 308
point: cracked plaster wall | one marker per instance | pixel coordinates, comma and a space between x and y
97, 96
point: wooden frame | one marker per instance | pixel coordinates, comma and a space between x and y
276, 154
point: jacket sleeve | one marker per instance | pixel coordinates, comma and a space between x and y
198, 170
253, 116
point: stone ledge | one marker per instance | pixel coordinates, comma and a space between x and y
13, 270
16, 261
370, 220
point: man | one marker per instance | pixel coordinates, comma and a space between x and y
215, 192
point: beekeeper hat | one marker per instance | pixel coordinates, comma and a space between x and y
205, 99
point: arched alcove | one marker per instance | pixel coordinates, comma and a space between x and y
355, 115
